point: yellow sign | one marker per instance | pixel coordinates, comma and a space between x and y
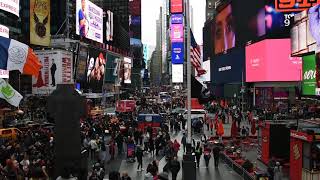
40, 22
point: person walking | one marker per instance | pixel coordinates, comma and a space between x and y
151, 146
216, 155
139, 155
184, 142
174, 167
207, 154
198, 153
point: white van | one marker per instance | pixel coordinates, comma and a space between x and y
196, 113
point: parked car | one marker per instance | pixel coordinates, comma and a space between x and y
200, 114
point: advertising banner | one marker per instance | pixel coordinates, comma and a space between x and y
89, 20
177, 73
270, 60
40, 22
177, 53
309, 75
229, 68
81, 67
109, 26
95, 70
56, 69
176, 6
4, 31
294, 5
176, 19
112, 67
177, 33
127, 64
11, 6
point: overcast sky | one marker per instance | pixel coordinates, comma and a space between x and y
150, 13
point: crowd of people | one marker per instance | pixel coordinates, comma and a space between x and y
29, 156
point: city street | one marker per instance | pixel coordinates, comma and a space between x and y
118, 89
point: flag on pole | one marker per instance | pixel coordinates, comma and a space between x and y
9, 94
15, 55
195, 55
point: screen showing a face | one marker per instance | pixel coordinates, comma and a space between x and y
224, 30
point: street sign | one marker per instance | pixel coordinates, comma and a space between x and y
177, 53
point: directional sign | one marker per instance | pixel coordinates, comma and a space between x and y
177, 53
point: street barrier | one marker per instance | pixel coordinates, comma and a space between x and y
236, 167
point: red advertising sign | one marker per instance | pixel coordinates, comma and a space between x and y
294, 5
301, 135
176, 6
295, 158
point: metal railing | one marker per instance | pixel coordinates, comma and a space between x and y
236, 167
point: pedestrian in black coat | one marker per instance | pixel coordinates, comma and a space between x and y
174, 168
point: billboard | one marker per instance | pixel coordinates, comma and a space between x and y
56, 69
177, 33
278, 24
309, 82
127, 64
176, 6
229, 68
81, 66
294, 5
234, 27
11, 6
177, 53
95, 70
270, 60
303, 33
112, 67
4, 31
177, 73
177, 19
109, 26
40, 22
89, 20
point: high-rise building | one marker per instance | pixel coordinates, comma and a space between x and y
120, 8
210, 8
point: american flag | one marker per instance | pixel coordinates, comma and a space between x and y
195, 56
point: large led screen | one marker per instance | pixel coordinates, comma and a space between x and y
89, 20
229, 68
176, 6
304, 32
309, 82
127, 70
225, 37
235, 27
270, 60
278, 24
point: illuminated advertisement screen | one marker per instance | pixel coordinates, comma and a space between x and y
270, 60
177, 19
89, 20
127, 65
95, 70
234, 27
177, 33
82, 64
294, 5
309, 82
176, 6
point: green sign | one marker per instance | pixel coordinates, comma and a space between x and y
309, 75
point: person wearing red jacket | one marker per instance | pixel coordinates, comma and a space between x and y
176, 147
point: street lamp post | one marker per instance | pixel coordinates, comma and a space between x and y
187, 12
